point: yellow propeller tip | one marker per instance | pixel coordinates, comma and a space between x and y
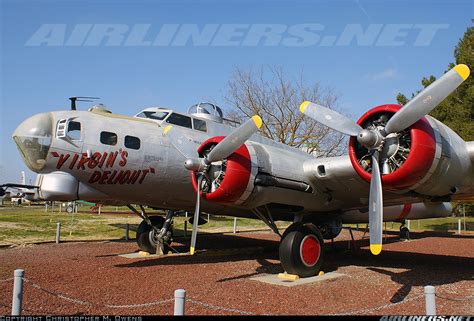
463, 71
375, 249
257, 120
167, 129
191, 250
303, 106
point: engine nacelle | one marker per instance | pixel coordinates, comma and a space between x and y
231, 181
410, 154
428, 157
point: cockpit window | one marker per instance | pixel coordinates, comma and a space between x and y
74, 130
179, 120
157, 115
199, 125
108, 138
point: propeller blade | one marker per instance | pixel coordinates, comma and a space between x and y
375, 206
330, 118
428, 99
184, 145
196, 217
235, 139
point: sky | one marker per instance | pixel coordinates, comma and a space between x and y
39, 76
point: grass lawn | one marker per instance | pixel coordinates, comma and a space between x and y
431, 224
28, 224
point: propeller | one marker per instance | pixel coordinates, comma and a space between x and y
374, 139
201, 165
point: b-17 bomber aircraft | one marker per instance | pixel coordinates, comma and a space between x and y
401, 163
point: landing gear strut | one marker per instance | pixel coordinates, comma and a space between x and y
154, 234
302, 250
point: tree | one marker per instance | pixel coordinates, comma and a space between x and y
269, 93
457, 110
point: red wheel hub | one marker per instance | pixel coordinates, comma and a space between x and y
310, 250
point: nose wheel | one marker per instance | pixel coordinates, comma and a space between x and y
302, 250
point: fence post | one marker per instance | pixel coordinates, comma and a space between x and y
408, 224
58, 232
430, 300
17, 291
459, 226
179, 300
127, 229
235, 225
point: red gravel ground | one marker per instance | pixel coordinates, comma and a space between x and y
86, 277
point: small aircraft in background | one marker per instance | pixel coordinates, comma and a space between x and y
401, 163
19, 193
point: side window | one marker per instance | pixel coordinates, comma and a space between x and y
132, 142
179, 120
70, 130
199, 124
74, 130
108, 138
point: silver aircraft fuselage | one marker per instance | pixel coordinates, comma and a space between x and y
84, 167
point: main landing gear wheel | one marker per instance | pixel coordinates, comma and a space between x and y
302, 250
147, 237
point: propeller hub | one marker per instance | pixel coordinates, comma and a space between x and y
194, 164
369, 138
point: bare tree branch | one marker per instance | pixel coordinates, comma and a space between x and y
271, 94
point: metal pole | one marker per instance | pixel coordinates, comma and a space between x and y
185, 224
235, 225
58, 232
408, 224
17, 291
60, 207
127, 227
459, 227
179, 300
430, 300
464, 216
208, 217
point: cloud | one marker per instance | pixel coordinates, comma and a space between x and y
389, 73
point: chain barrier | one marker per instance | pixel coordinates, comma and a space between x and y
467, 298
6, 280
388, 305
127, 306
211, 306
215, 307
83, 302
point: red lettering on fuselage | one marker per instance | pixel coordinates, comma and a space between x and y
107, 160
62, 159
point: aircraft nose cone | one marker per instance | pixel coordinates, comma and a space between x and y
33, 138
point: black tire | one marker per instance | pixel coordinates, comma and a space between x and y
404, 233
302, 250
145, 235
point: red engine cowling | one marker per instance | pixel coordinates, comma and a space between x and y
411, 168
236, 177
